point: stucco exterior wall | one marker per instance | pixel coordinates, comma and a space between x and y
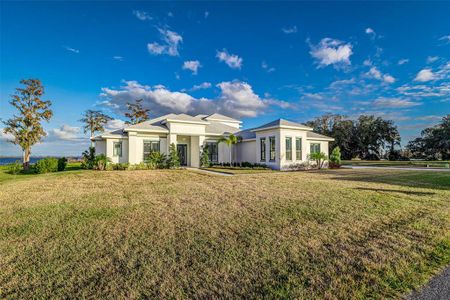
109, 150
186, 129
266, 134
246, 151
100, 147
293, 134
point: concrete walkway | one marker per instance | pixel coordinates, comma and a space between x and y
398, 168
438, 288
209, 172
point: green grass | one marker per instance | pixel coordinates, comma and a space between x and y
402, 164
337, 234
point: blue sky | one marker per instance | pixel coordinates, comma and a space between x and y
255, 61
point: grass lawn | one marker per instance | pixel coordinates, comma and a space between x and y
238, 170
400, 164
178, 234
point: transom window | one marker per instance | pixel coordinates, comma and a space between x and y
149, 147
117, 149
298, 148
272, 148
213, 151
288, 148
262, 143
315, 148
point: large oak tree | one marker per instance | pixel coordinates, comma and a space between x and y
25, 126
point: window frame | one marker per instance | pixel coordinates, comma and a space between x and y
262, 149
311, 148
115, 154
274, 150
210, 154
298, 152
151, 142
288, 150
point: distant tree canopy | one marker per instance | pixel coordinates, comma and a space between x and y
136, 112
434, 142
94, 121
25, 126
367, 137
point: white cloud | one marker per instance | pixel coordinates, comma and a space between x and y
236, 99
170, 14
432, 59
376, 74
6, 137
313, 96
142, 15
232, 60
394, 103
117, 57
441, 90
206, 15
289, 30
201, 86
403, 61
445, 38
192, 65
72, 49
425, 75
266, 67
65, 132
370, 32
331, 52
171, 42
114, 124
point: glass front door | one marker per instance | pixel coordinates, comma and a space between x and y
182, 154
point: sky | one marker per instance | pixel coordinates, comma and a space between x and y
256, 61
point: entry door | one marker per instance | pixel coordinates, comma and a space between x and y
182, 154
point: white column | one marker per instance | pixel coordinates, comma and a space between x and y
171, 139
132, 148
196, 148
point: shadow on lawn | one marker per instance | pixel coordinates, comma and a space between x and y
396, 191
414, 179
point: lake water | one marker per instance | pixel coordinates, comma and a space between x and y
8, 160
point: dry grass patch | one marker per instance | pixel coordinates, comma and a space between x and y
180, 234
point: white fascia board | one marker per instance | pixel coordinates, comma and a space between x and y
320, 139
282, 127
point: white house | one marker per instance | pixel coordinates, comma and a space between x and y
277, 144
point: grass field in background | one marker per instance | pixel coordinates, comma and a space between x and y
177, 234
403, 164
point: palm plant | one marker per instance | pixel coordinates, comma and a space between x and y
230, 141
94, 121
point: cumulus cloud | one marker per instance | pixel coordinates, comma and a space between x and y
70, 49
331, 52
394, 103
236, 99
65, 132
266, 67
289, 30
376, 74
232, 60
201, 86
170, 43
432, 59
114, 124
142, 15
403, 61
425, 75
192, 65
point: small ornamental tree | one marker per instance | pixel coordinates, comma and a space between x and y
204, 158
26, 127
319, 158
173, 161
335, 158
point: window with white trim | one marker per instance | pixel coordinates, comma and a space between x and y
117, 149
315, 148
298, 148
272, 148
288, 144
262, 144
149, 147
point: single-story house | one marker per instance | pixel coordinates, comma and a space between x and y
277, 144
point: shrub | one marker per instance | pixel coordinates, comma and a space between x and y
15, 167
204, 158
335, 158
120, 166
101, 162
88, 158
46, 165
62, 163
156, 160
173, 161
319, 158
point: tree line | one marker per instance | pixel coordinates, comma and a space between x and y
367, 137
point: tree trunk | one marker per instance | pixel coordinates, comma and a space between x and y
26, 158
92, 142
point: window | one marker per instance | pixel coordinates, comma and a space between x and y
117, 149
262, 144
213, 151
288, 148
315, 148
272, 148
149, 147
298, 148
